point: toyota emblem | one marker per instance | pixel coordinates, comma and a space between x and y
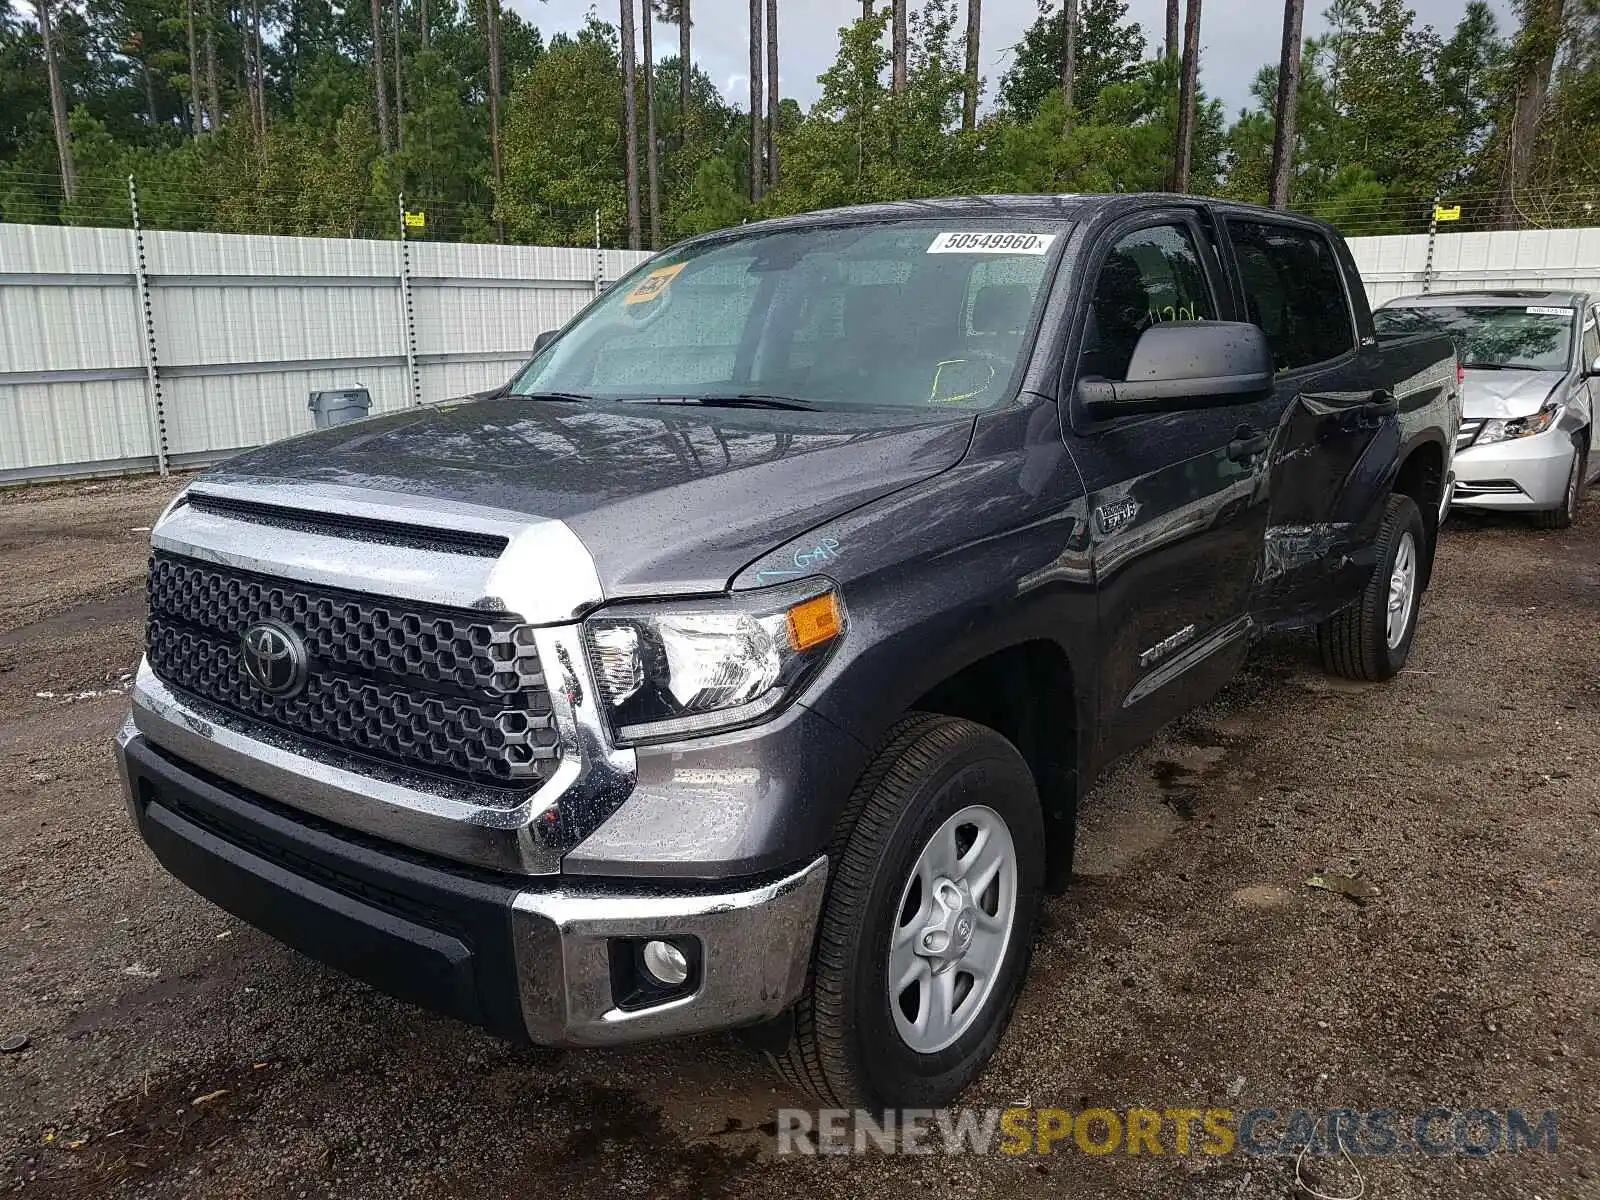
274, 658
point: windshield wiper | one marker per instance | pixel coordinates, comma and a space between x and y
574, 397
743, 400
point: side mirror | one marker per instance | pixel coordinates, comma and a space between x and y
1594, 368
544, 339
1182, 365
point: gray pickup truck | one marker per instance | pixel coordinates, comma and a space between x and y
742, 662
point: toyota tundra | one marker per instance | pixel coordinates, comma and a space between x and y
743, 660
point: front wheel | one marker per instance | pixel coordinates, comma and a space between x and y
925, 934
1563, 517
1371, 639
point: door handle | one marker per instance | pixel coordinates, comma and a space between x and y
1246, 444
1381, 403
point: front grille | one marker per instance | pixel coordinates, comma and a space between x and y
460, 694
1468, 433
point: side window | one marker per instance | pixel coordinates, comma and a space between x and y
1151, 275
1294, 290
1591, 339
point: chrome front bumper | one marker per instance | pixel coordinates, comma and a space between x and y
755, 947
1528, 473
518, 957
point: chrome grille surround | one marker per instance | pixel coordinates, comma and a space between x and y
544, 580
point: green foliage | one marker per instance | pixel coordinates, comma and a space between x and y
1393, 116
1389, 113
1110, 48
714, 200
564, 124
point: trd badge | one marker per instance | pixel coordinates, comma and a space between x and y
1111, 517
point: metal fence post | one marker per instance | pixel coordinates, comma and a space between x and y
152, 377
407, 313
599, 259
1433, 233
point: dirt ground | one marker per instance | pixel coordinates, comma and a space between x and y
173, 1051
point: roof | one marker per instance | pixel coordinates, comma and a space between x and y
1062, 207
1508, 298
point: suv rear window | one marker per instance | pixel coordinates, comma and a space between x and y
1294, 290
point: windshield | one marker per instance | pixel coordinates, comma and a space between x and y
907, 314
1532, 338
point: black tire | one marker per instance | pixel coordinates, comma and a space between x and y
1563, 517
846, 1050
1354, 642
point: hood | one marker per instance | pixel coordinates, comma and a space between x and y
667, 499
1489, 394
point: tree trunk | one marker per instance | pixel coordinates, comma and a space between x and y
1184, 157
491, 21
898, 74
652, 158
399, 94
213, 92
757, 140
969, 102
685, 73
1069, 63
197, 123
377, 77
772, 94
630, 124
1294, 12
58, 103
1533, 61
422, 22
866, 10
149, 85
247, 72
1172, 29
258, 80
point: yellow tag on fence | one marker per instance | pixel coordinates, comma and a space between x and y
416, 220
1441, 213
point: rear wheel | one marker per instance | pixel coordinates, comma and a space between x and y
1371, 639
1563, 517
926, 930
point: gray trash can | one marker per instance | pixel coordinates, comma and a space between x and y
337, 407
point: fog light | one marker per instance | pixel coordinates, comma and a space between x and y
666, 963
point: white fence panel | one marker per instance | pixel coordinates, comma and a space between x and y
1534, 259
72, 366
244, 328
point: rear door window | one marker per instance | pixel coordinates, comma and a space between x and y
1294, 290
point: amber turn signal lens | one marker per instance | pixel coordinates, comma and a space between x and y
816, 621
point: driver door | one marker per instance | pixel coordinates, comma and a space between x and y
1177, 500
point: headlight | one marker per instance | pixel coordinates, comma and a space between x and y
667, 669
1516, 427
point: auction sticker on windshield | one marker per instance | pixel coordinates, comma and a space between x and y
1541, 311
992, 243
653, 284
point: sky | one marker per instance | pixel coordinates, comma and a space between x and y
1237, 36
